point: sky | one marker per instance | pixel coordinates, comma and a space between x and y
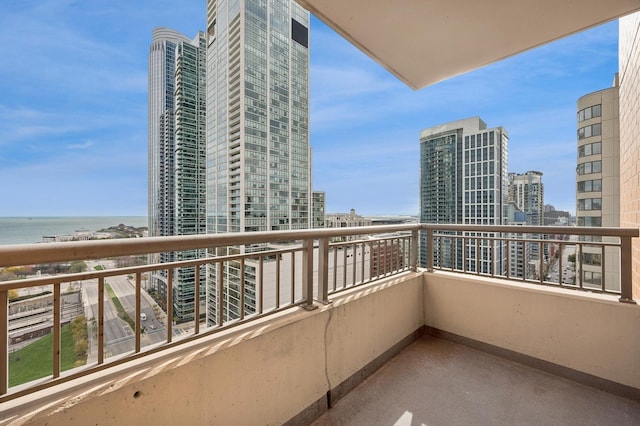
73, 110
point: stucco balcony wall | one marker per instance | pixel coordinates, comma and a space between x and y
269, 371
292, 366
590, 335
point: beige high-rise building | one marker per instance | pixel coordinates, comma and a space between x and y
346, 220
598, 182
629, 78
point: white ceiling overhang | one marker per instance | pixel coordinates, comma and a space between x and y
426, 41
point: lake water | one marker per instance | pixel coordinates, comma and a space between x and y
25, 230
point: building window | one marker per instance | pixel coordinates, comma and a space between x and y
589, 167
590, 221
590, 185
590, 149
589, 112
592, 259
592, 277
588, 131
587, 204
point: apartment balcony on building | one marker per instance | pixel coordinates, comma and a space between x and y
349, 332
450, 345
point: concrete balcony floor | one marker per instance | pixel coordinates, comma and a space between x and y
438, 382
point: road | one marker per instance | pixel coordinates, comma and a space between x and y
568, 268
119, 337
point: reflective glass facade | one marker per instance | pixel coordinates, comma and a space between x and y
258, 162
177, 147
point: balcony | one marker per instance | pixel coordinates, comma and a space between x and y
324, 317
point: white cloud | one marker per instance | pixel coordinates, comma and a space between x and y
84, 145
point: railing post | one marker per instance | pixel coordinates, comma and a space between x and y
430, 248
220, 294
57, 329
100, 334
307, 273
138, 329
626, 287
4, 341
323, 269
541, 262
169, 305
196, 301
413, 260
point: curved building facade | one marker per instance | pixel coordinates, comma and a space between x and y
598, 181
161, 99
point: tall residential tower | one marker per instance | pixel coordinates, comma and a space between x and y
526, 190
258, 153
526, 207
177, 156
463, 179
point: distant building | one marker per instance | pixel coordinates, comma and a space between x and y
318, 208
387, 257
346, 220
393, 220
553, 217
463, 180
521, 254
598, 180
527, 192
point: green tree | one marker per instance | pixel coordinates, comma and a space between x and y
7, 275
78, 266
80, 336
80, 348
13, 294
572, 258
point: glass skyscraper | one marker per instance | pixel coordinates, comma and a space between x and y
258, 153
177, 154
463, 180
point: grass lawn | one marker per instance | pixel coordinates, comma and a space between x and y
35, 360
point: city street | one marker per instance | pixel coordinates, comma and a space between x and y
568, 268
118, 335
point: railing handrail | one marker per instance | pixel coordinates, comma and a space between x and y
39, 253
527, 229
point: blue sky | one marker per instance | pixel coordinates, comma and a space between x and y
73, 110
